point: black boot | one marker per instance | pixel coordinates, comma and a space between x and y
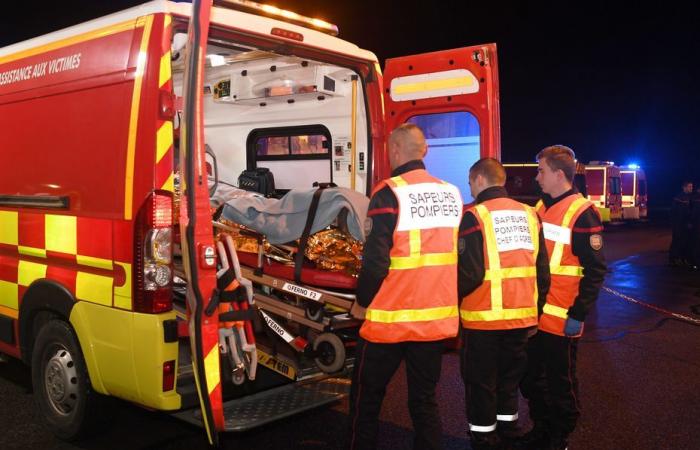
510, 433
535, 439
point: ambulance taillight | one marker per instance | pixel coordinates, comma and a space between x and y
153, 238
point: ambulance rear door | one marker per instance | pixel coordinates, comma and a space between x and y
452, 95
197, 239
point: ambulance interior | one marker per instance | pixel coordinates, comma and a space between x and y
293, 116
288, 114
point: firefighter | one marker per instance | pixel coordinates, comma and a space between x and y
408, 285
503, 274
695, 228
679, 253
572, 228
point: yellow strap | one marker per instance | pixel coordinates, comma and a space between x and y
539, 205
399, 181
556, 311
504, 314
414, 242
511, 272
572, 271
428, 259
411, 315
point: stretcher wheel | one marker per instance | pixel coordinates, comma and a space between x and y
314, 312
330, 352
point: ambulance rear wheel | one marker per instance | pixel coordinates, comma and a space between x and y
330, 352
62, 389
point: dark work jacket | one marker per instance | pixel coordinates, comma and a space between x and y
471, 268
592, 261
382, 215
681, 211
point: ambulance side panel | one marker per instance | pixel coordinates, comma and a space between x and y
79, 120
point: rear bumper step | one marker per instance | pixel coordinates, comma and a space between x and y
259, 409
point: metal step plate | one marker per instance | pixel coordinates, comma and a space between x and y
264, 407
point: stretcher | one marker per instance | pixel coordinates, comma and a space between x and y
309, 315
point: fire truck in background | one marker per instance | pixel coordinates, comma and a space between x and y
603, 181
633, 182
523, 187
90, 115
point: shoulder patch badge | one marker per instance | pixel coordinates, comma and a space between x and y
596, 241
368, 226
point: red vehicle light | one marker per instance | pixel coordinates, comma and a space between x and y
153, 255
168, 375
287, 34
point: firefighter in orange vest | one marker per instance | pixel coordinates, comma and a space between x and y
572, 228
408, 285
503, 274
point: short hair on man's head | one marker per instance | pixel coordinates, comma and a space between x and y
490, 169
410, 138
560, 157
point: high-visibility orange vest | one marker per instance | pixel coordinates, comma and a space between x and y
507, 298
417, 300
564, 267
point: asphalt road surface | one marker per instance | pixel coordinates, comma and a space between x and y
639, 371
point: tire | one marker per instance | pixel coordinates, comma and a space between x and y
330, 352
62, 389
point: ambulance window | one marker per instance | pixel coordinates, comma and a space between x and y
453, 146
306, 142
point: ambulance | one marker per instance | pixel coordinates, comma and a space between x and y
604, 189
99, 120
523, 187
634, 192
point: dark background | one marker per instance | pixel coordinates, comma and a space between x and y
613, 80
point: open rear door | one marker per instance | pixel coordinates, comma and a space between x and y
453, 96
198, 249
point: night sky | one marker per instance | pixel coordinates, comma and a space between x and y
613, 80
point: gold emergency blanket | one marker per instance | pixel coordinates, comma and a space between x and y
330, 249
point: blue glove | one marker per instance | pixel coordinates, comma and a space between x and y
573, 327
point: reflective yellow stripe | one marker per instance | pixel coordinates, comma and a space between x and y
573, 271
429, 259
112, 29
9, 296
558, 251
9, 312
511, 272
414, 242
8, 227
61, 233
133, 118
398, 181
504, 314
90, 261
493, 258
164, 140
539, 205
535, 234
411, 315
556, 311
94, 288
31, 251
169, 185
27, 272
433, 85
165, 74
211, 369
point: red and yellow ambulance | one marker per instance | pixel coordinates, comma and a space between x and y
89, 118
634, 192
603, 183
